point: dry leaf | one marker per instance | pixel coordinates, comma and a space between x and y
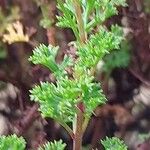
15, 33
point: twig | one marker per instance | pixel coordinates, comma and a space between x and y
25, 122
139, 77
83, 35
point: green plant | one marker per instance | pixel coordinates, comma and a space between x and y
113, 144
120, 59
56, 145
12, 142
73, 99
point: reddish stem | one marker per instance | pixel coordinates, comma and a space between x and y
77, 141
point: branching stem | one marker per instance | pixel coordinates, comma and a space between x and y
68, 129
77, 141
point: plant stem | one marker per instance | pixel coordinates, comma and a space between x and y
85, 124
68, 129
77, 141
80, 22
78, 131
48, 11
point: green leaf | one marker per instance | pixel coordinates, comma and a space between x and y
67, 19
56, 101
46, 55
113, 144
99, 45
100, 11
59, 101
120, 58
12, 142
56, 145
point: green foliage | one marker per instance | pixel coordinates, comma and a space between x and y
68, 19
120, 58
99, 45
12, 142
95, 12
100, 11
47, 55
61, 100
56, 145
113, 144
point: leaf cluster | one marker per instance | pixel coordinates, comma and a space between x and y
99, 45
12, 142
95, 12
120, 58
18, 143
56, 145
47, 55
113, 143
60, 100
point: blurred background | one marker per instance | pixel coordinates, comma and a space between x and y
124, 75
